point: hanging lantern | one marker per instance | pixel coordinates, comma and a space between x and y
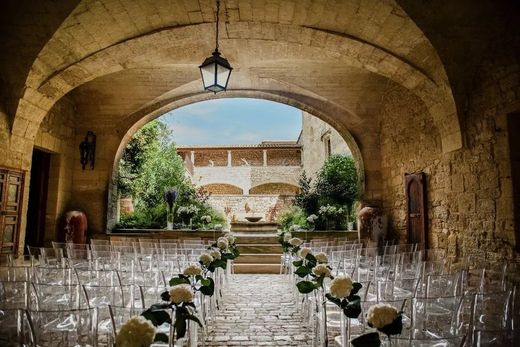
215, 70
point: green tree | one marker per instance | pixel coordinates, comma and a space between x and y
307, 199
337, 182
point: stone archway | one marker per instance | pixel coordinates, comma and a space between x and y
161, 108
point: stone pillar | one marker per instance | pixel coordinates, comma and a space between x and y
229, 158
192, 157
265, 157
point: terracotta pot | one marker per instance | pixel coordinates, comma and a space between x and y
74, 227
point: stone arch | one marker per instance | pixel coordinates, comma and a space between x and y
222, 189
305, 41
144, 116
279, 188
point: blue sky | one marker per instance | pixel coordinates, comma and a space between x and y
233, 121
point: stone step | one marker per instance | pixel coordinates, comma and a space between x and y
266, 248
256, 268
263, 238
265, 258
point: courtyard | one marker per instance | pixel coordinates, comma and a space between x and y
425, 96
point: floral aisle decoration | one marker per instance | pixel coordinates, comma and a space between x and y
187, 213
314, 270
386, 319
179, 299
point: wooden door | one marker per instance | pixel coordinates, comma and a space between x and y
416, 216
11, 195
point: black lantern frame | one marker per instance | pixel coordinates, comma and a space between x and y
215, 70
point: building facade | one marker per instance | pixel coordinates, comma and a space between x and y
246, 180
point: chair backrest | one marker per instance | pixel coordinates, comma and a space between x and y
440, 316
102, 296
16, 295
442, 285
15, 328
59, 297
76, 327
99, 242
15, 273
98, 277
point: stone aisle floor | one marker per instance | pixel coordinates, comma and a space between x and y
258, 310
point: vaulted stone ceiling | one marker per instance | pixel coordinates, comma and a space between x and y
116, 57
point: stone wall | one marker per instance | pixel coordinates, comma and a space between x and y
470, 203
315, 133
275, 188
265, 206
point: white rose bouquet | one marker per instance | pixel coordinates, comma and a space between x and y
136, 332
343, 292
385, 318
312, 218
206, 219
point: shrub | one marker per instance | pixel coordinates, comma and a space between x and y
293, 215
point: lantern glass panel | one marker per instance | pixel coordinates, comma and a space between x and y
208, 75
222, 76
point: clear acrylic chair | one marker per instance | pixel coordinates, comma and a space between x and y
15, 328
59, 297
397, 289
54, 275
98, 277
489, 338
15, 273
437, 317
65, 327
16, 295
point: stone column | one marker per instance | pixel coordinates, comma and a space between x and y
229, 158
265, 157
192, 157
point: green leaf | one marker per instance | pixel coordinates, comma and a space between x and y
395, 328
157, 317
353, 298
208, 287
179, 280
333, 299
219, 263
298, 263
195, 319
356, 287
305, 287
165, 296
367, 340
161, 337
180, 326
353, 309
310, 258
303, 271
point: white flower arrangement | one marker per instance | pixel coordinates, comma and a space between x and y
206, 219
341, 286
192, 270
321, 258
304, 251
321, 270
329, 210
215, 254
205, 258
217, 227
312, 218
231, 238
188, 210
295, 242
222, 243
287, 237
136, 332
294, 227
181, 293
381, 315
